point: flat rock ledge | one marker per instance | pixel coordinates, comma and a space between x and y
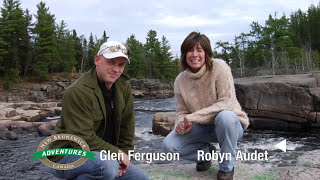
24, 117
281, 102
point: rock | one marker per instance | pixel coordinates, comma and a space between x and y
6, 134
62, 85
138, 93
289, 98
20, 126
30, 115
11, 135
151, 88
46, 129
163, 123
7, 112
310, 159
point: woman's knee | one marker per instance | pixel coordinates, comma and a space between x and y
169, 144
226, 119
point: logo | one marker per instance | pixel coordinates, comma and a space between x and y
43, 153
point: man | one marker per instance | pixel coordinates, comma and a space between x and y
98, 108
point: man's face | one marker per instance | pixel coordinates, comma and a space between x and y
109, 70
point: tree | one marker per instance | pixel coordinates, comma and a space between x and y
313, 18
78, 48
153, 54
84, 57
137, 67
45, 46
241, 47
225, 51
105, 37
27, 45
168, 69
12, 31
65, 47
91, 53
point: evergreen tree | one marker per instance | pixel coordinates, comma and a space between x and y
27, 45
104, 37
153, 55
84, 57
91, 53
79, 51
45, 46
314, 24
137, 67
65, 47
168, 68
11, 42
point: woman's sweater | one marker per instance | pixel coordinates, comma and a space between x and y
201, 96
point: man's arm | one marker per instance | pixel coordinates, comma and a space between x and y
127, 126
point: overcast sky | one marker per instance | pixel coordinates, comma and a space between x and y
220, 20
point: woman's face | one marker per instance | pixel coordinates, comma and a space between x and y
196, 57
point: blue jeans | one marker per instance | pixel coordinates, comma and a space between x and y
97, 169
227, 130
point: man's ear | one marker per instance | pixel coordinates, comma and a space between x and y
96, 59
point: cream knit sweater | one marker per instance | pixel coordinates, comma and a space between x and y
201, 96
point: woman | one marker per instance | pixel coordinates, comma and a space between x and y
207, 108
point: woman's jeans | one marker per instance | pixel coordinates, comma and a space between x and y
97, 169
227, 130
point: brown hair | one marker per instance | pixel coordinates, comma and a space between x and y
192, 39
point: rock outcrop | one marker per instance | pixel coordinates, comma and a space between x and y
151, 88
20, 117
53, 91
285, 102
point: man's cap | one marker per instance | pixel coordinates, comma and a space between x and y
113, 49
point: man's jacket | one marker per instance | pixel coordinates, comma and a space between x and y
84, 115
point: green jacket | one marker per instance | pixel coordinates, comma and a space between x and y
84, 115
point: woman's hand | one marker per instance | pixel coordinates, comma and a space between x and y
183, 126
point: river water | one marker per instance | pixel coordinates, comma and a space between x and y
15, 156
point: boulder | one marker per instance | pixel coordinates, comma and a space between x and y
46, 129
284, 100
163, 123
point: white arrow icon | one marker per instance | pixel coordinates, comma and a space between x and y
282, 145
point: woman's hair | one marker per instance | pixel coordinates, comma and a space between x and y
192, 39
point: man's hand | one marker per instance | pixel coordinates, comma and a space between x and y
183, 126
123, 162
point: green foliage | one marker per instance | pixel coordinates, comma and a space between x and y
151, 60
12, 36
45, 44
287, 43
137, 66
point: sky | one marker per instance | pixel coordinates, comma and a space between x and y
220, 20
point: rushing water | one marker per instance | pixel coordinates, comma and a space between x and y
15, 156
